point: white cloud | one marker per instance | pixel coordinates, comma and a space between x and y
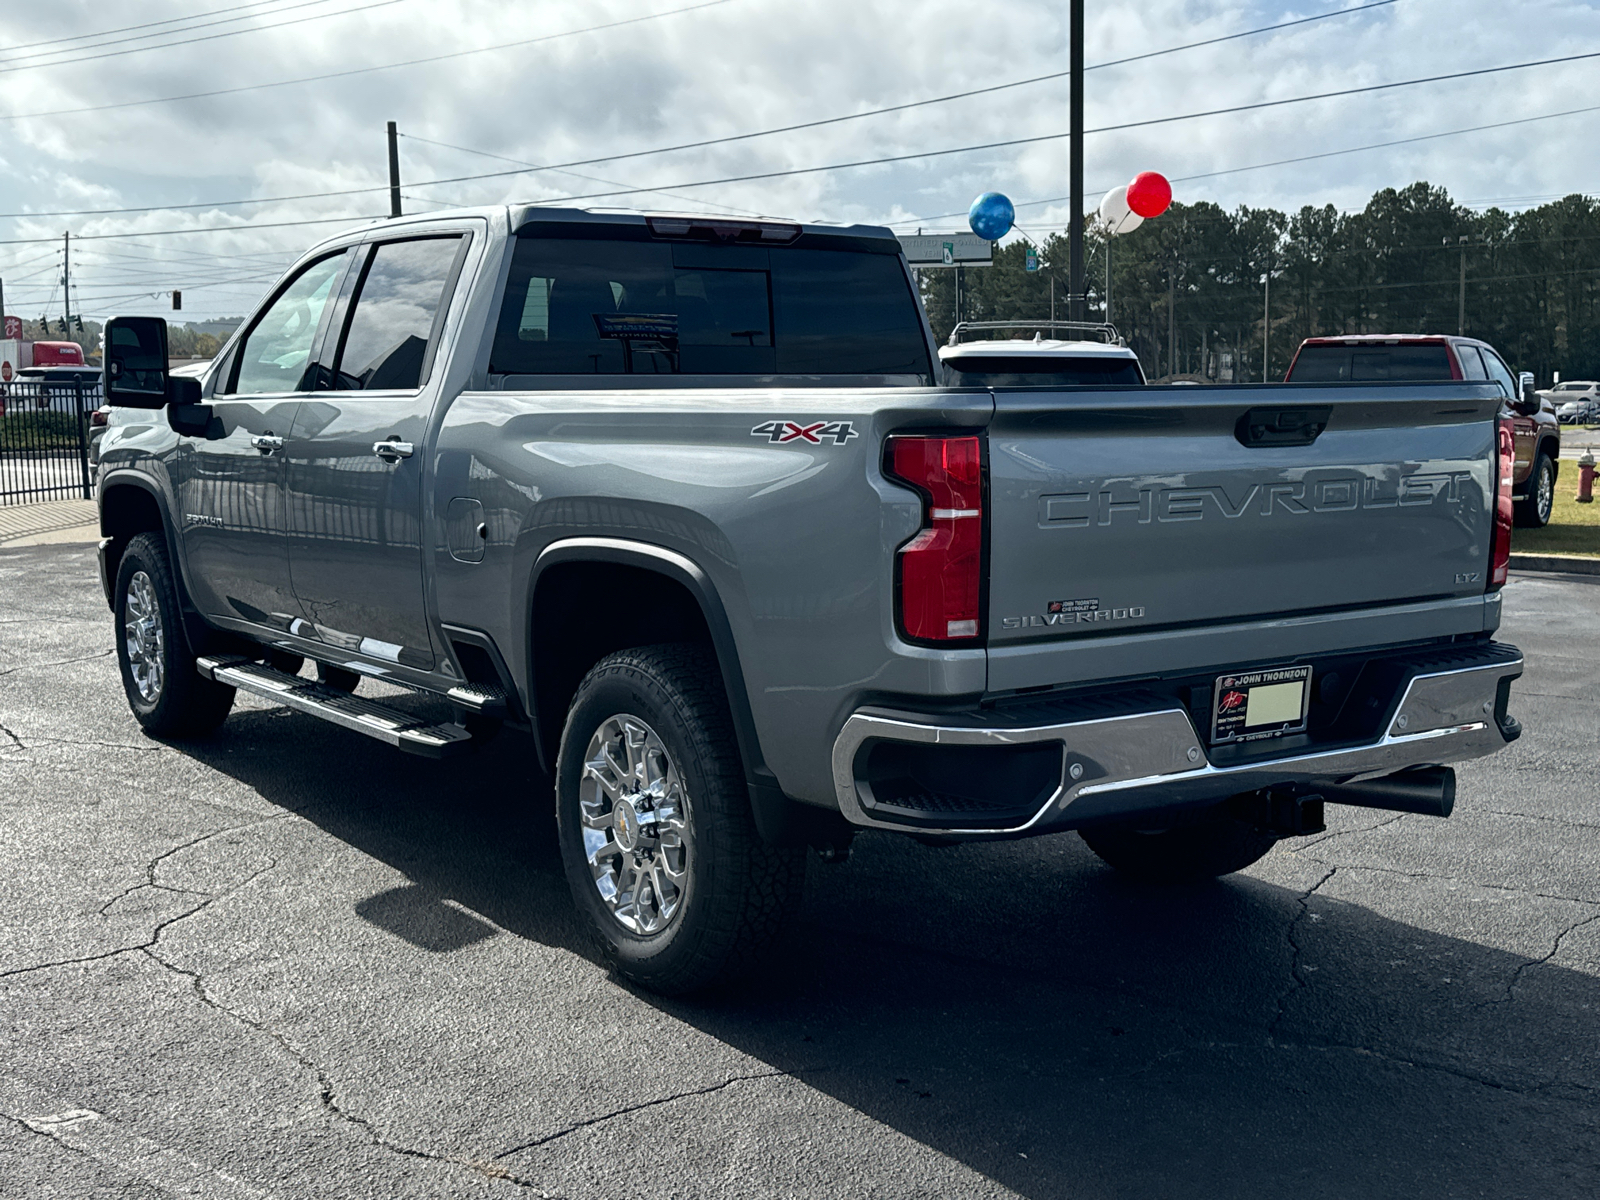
748, 65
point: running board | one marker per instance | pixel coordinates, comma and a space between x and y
399, 729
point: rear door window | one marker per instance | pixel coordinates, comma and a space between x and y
1471, 364
601, 307
394, 321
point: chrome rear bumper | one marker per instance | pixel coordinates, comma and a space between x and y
1137, 763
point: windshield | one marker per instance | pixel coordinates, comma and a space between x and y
1371, 364
1038, 371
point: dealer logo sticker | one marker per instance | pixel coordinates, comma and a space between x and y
779, 432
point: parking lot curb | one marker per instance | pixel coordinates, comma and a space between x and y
1565, 564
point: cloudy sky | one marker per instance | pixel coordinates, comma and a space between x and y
88, 123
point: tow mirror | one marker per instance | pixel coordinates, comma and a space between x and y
136, 362
1529, 401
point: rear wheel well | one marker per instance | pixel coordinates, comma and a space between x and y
583, 611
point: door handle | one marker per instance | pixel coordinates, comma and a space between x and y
266, 443
393, 450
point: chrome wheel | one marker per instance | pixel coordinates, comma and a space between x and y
141, 625
635, 819
1547, 492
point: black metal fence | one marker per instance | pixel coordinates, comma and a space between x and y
44, 440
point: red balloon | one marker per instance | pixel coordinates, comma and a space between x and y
1149, 194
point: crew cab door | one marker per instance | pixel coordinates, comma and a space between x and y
356, 459
231, 481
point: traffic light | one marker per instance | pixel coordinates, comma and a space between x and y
62, 325
79, 321
177, 301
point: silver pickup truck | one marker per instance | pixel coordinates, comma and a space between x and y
693, 503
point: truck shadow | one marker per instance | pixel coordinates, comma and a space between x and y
1021, 1010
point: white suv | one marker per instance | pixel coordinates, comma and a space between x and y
995, 361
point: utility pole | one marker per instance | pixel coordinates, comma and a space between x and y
1266, 318
394, 171
1108, 276
66, 279
1075, 165
1172, 322
1461, 300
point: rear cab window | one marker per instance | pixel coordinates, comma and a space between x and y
1372, 363
586, 306
1020, 371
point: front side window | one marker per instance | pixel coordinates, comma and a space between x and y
276, 354
1500, 373
392, 319
592, 307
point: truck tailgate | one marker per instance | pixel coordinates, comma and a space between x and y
1117, 512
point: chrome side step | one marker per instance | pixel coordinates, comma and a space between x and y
399, 729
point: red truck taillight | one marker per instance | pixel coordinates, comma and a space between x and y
941, 569
1505, 464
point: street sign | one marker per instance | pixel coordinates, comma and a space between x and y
947, 250
13, 329
1030, 259
5, 371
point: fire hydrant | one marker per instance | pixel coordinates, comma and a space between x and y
1586, 478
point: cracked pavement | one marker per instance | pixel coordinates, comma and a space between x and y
289, 962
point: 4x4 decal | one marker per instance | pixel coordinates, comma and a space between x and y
792, 431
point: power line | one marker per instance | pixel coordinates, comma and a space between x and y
576, 175
210, 37
79, 37
101, 237
1263, 104
1288, 161
142, 37
1046, 137
256, 87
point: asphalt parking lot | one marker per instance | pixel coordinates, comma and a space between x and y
289, 962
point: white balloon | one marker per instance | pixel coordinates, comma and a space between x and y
1116, 214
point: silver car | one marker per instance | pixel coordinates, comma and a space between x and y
1576, 402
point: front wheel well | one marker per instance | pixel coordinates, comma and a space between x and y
126, 511
583, 611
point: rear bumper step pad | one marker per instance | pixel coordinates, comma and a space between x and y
409, 733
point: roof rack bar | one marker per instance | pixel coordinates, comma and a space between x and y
1105, 329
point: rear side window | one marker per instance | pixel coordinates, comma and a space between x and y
1471, 364
1000, 371
578, 307
1371, 364
396, 308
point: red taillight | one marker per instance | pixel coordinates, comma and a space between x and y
941, 569
1505, 464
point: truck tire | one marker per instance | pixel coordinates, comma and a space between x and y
689, 896
1219, 845
1533, 511
169, 698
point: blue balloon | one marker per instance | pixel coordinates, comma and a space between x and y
991, 216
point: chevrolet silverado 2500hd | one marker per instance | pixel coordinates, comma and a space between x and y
685, 500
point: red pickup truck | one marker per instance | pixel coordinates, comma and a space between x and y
1420, 358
